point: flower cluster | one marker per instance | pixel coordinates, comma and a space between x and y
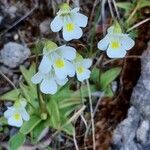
57, 64
115, 42
70, 21
17, 113
60, 63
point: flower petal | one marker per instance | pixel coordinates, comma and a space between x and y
118, 53
45, 65
110, 30
48, 86
61, 82
69, 67
60, 68
60, 73
127, 42
103, 44
83, 76
24, 114
75, 10
76, 33
57, 24
79, 19
13, 122
23, 102
9, 112
87, 63
37, 78
67, 52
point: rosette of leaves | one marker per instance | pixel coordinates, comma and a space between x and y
58, 109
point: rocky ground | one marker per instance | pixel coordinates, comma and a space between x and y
121, 122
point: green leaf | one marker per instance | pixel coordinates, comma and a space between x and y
38, 48
69, 128
109, 92
27, 74
31, 88
124, 5
28, 94
16, 141
3, 121
26, 90
11, 95
83, 91
109, 76
38, 130
30, 125
63, 93
95, 75
53, 110
144, 3
32, 69
69, 102
67, 111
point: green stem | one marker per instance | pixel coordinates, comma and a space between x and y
134, 11
92, 115
42, 104
41, 101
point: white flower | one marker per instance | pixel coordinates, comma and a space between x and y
70, 21
48, 82
58, 58
116, 43
17, 113
82, 68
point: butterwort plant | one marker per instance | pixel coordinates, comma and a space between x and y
17, 113
55, 67
116, 43
46, 85
70, 21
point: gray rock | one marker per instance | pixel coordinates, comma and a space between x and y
12, 11
14, 54
133, 133
142, 132
6, 70
45, 26
1, 19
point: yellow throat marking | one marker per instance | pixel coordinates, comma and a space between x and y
59, 63
80, 70
69, 27
115, 44
17, 116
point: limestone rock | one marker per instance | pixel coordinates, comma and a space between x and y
14, 54
133, 133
